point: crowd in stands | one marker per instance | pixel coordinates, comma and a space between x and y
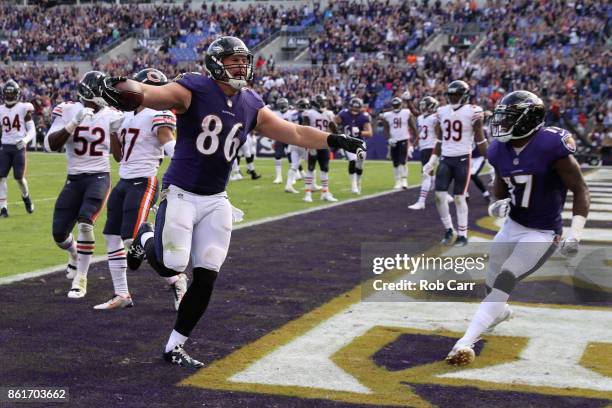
80, 33
557, 49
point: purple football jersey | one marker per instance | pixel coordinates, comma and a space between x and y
349, 121
537, 191
209, 135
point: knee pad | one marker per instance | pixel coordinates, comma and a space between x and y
203, 276
213, 257
505, 281
351, 166
460, 200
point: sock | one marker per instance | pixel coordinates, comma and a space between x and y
175, 339
145, 237
443, 211
290, 177
403, 171
324, 182
396, 173
117, 263
250, 166
462, 215
278, 167
23, 186
425, 187
3, 191
69, 245
491, 307
308, 181
195, 301
235, 166
85, 246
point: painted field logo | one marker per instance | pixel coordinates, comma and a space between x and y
380, 352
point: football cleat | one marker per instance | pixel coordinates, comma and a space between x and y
291, 189
79, 286
116, 302
178, 356
178, 290
505, 316
4, 212
277, 180
254, 175
308, 197
461, 355
236, 176
28, 204
419, 205
449, 237
461, 241
397, 185
136, 252
327, 196
404, 184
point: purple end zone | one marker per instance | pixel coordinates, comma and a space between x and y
275, 272
412, 350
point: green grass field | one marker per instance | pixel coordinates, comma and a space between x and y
27, 243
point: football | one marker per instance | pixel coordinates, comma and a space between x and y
130, 95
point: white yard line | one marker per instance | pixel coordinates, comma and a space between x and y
46, 271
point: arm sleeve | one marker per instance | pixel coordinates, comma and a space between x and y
30, 132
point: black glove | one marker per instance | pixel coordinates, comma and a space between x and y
109, 93
348, 143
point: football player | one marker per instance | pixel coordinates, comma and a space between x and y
398, 124
85, 128
247, 150
296, 153
282, 107
534, 167
320, 117
459, 125
145, 135
357, 123
215, 112
17, 131
426, 124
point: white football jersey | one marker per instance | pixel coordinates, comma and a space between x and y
457, 128
319, 120
398, 124
141, 149
291, 115
427, 135
87, 149
13, 121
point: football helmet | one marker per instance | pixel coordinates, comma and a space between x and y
355, 105
517, 115
282, 104
428, 105
406, 96
89, 88
319, 102
303, 104
151, 76
224, 47
396, 104
11, 92
458, 93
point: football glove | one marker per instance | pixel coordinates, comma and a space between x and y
20, 144
429, 166
85, 113
410, 151
500, 208
348, 143
391, 142
569, 247
109, 93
